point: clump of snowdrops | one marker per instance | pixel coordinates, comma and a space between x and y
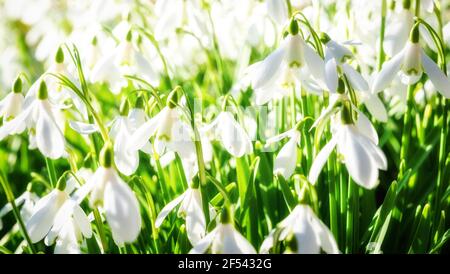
195, 126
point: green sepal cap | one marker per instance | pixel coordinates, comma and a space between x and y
293, 27
17, 86
107, 155
124, 108
414, 35
59, 57
42, 92
172, 99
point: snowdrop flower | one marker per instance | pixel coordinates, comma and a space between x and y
119, 202
286, 159
224, 239
52, 213
410, 64
277, 10
309, 234
124, 59
40, 116
122, 127
171, 134
173, 14
58, 93
126, 161
231, 134
399, 26
11, 105
70, 226
427, 5
278, 72
335, 57
26, 200
357, 143
191, 209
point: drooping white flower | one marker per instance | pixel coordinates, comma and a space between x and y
231, 134
122, 127
125, 59
398, 28
224, 239
118, 200
336, 55
11, 105
357, 143
286, 158
40, 116
57, 93
190, 209
169, 132
277, 10
410, 63
310, 234
70, 226
173, 14
277, 74
52, 213
26, 200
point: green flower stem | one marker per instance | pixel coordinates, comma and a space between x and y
407, 128
101, 229
51, 171
11, 199
293, 111
199, 154
441, 185
382, 32
289, 7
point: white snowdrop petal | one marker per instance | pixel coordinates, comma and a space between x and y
440, 81
144, 68
286, 159
105, 70
331, 74
365, 127
142, 135
42, 219
307, 241
16, 125
326, 238
204, 243
82, 221
374, 151
243, 244
126, 160
320, 160
376, 107
49, 138
233, 136
359, 163
61, 218
122, 211
268, 68
195, 220
83, 128
268, 243
315, 63
167, 209
387, 73
277, 10
355, 78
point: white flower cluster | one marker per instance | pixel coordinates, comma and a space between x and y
153, 44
